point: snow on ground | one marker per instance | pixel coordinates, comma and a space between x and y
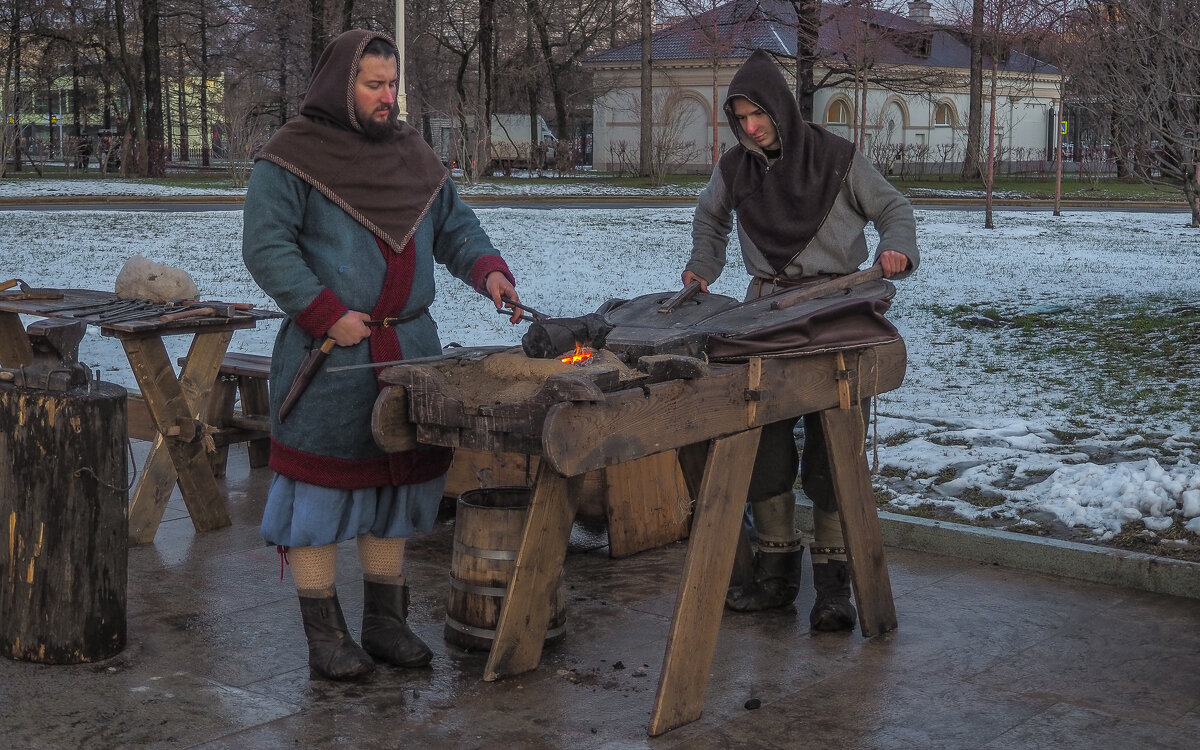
979, 428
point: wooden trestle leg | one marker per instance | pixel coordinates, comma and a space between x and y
525, 615
698, 608
860, 520
175, 403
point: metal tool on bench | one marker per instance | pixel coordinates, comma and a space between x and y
26, 291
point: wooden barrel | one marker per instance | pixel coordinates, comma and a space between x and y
65, 529
487, 536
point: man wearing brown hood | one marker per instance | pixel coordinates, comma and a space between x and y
801, 196
346, 214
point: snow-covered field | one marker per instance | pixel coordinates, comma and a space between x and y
1018, 409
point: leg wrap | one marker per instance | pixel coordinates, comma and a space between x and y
314, 569
382, 559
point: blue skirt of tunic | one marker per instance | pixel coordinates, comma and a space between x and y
306, 515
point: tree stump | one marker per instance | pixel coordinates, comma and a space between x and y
63, 523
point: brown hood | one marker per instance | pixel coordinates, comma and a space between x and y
388, 185
781, 207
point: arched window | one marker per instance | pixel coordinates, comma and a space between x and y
943, 115
839, 113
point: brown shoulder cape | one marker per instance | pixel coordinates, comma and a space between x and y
387, 186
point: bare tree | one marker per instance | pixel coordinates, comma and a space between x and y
1149, 52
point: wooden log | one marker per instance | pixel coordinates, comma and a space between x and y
62, 507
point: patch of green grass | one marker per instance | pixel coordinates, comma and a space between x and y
893, 472
900, 438
948, 441
980, 499
946, 475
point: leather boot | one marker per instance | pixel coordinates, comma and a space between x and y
332, 653
776, 582
832, 611
385, 634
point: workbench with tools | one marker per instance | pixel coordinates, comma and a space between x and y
695, 373
177, 403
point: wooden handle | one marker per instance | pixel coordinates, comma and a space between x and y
824, 289
195, 312
680, 297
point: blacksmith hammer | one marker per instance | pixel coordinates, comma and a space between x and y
27, 292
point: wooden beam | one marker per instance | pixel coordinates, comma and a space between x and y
697, 619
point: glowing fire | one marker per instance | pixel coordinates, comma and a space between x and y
579, 355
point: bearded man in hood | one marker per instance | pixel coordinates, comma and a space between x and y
801, 197
346, 213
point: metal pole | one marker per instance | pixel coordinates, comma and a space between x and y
401, 92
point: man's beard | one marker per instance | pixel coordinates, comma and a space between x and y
380, 131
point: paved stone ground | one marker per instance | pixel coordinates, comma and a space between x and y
986, 656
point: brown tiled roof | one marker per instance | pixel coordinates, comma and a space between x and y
747, 25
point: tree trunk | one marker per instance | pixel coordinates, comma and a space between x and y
348, 17
316, 35
205, 126
487, 38
646, 136
156, 153
808, 24
971, 168
184, 130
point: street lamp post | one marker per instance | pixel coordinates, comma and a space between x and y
401, 94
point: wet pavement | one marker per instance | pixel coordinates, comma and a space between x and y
985, 656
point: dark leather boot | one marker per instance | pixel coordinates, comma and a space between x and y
385, 634
833, 610
332, 653
776, 582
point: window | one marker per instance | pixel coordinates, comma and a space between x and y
839, 113
943, 116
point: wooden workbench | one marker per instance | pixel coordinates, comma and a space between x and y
576, 427
176, 403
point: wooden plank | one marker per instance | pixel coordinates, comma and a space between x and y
256, 403
697, 619
648, 504
473, 469
581, 437
525, 616
860, 520
15, 349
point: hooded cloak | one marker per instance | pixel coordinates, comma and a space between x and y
386, 185
781, 205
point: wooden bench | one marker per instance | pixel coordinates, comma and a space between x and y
241, 377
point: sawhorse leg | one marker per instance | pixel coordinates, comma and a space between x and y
525, 615
174, 403
715, 527
860, 520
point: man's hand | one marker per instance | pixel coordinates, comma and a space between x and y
689, 277
893, 262
498, 285
350, 328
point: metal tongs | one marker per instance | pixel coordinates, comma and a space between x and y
533, 315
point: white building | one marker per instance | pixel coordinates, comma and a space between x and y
921, 120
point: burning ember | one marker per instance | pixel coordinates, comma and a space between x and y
580, 355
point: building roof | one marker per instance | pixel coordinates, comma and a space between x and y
746, 25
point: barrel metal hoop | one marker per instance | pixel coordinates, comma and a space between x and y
486, 554
490, 633
470, 588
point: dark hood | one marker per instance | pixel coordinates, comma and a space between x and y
386, 185
781, 207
